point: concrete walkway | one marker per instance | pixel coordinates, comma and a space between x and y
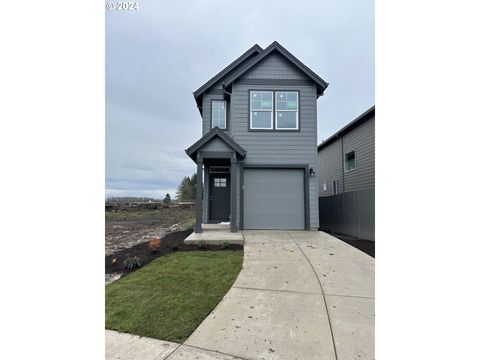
300, 295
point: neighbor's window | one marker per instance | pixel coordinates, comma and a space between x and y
286, 110
261, 110
219, 114
335, 187
350, 163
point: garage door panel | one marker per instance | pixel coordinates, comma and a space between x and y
274, 199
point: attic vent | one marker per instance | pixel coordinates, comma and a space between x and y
220, 169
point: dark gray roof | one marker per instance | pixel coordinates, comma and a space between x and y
275, 46
216, 131
359, 120
198, 94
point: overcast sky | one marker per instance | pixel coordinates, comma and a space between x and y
157, 56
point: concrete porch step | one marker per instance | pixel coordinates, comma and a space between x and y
216, 227
215, 234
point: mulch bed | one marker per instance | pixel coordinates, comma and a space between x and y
170, 243
367, 246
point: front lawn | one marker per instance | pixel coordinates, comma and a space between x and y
169, 298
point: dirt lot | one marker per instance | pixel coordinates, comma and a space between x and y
127, 234
128, 228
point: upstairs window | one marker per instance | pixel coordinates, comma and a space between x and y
261, 110
219, 114
286, 110
350, 163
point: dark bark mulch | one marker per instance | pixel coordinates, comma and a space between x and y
367, 246
171, 242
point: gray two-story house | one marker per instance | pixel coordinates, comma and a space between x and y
257, 159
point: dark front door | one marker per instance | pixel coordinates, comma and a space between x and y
220, 197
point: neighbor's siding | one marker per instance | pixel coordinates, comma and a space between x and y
330, 161
329, 167
362, 141
277, 147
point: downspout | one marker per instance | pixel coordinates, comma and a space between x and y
343, 165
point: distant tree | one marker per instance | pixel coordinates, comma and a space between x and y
186, 191
167, 200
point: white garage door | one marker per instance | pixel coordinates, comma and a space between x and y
274, 199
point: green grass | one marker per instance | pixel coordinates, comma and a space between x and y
169, 298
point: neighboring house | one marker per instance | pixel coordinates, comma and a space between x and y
257, 158
346, 179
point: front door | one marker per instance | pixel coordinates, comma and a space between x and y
220, 197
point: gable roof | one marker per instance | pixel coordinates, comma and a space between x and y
275, 46
198, 94
359, 120
215, 132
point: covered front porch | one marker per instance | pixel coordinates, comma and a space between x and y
217, 191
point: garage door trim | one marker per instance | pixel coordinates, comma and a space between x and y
306, 187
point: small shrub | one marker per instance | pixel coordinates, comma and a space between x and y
131, 263
154, 244
202, 244
225, 245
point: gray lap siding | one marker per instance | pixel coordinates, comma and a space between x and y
279, 147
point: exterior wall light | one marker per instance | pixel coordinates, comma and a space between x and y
312, 172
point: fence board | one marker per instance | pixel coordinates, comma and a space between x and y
351, 213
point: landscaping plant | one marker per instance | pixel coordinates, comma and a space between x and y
131, 263
225, 245
202, 244
154, 244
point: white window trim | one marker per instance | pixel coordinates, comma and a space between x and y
263, 110
225, 112
354, 161
276, 111
261, 128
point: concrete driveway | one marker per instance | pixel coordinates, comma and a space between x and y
300, 295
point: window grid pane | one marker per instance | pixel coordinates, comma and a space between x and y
286, 110
219, 117
261, 100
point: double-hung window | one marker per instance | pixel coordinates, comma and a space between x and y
286, 110
261, 110
219, 114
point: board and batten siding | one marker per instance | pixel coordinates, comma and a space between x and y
362, 141
278, 147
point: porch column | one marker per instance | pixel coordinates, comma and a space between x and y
233, 193
198, 203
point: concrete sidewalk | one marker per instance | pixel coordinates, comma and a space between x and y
300, 295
